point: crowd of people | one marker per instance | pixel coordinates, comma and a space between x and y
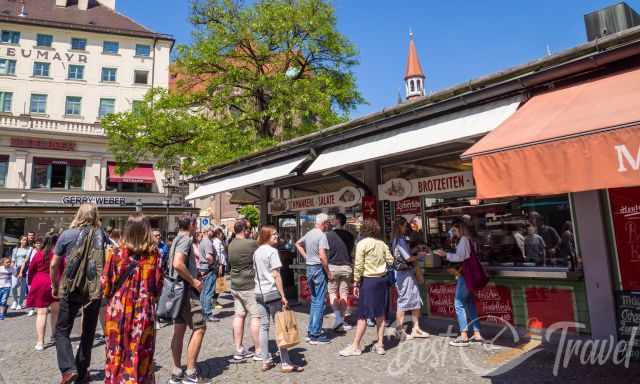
118, 278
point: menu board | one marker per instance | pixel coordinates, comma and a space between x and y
493, 302
628, 316
625, 211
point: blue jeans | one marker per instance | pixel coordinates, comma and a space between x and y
206, 296
4, 295
465, 303
19, 290
317, 281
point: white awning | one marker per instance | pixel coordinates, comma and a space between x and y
448, 128
246, 179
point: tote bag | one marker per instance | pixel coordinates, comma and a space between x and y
287, 334
473, 272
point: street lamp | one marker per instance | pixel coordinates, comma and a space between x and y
139, 205
166, 203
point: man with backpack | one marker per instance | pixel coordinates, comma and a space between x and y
82, 249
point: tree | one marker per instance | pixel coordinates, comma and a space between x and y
254, 76
251, 213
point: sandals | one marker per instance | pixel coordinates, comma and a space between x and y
268, 365
291, 369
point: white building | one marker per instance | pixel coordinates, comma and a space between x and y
63, 65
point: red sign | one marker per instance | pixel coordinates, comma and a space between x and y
369, 207
492, 302
409, 206
304, 294
625, 210
547, 306
57, 145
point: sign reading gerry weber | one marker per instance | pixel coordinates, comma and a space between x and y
346, 197
101, 201
400, 189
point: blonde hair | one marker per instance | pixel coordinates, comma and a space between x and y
138, 236
87, 215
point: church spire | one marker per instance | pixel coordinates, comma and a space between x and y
414, 76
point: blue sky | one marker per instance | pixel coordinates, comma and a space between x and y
457, 40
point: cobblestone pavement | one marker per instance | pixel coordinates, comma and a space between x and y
416, 361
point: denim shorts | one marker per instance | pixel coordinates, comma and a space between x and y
4, 296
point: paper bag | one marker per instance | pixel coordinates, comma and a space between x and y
287, 334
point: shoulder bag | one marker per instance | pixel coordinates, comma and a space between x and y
173, 292
262, 298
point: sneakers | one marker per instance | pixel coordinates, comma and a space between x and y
31, 312
194, 379
419, 334
347, 327
379, 349
39, 347
371, 323
350, 351
319, 340
213, 319
176, 379
459, 342
14, 306
100, 339
18, 308
243, 354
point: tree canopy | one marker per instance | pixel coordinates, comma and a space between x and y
255, 75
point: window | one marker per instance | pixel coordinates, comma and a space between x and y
136, 106
72, 106
143, 50
57, 173
76, 72
44, 40
10, 37
78, 44
107, 106
412, 86
110, 47
38, 103
5, 101
41, 69
130, 187
4, 168
141, 77
7, 67
109, 74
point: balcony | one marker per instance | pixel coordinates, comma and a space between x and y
29, 123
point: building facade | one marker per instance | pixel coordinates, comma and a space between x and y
62, 68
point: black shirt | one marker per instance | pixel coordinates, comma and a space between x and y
340, 247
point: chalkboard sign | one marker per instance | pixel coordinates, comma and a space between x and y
628, 314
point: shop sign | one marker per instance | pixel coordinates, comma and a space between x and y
369, 207
625, 211
400, 189
56, 145
101, 201
45, 55
346, 197
492, 302
628, 315
409, 206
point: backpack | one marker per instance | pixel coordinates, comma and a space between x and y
81, 276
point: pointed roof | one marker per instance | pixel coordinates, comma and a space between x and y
414, 69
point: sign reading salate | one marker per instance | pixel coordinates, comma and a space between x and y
346, 197
400, 189
102, 201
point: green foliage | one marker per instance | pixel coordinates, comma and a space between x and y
254, 76
251, 213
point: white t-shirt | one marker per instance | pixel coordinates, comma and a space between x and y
5, 276
266, 259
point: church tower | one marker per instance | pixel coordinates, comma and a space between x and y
414, 76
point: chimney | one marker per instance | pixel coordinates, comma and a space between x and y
111, 4
61, 3
83, 5
610, 20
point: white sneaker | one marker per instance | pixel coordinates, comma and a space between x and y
350, 351
18, 308
14, 306
347, 327
31, 312
39, 347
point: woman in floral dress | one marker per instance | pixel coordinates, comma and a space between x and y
132, 282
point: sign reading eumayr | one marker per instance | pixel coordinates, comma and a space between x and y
102, 201
38, 54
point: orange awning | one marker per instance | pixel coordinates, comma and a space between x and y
582, 137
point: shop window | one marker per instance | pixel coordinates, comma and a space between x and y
4, 168
41, 69
515, 232
141, 77
109, 74
78, 44
76, 72
130, 187
57, 174
38, 103
7, 67
73, 106
44, 40
143, 50
110, 47
10, 37
107, 106
5, 101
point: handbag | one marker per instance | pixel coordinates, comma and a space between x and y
287, 333
475, 277
173, 292
261, 297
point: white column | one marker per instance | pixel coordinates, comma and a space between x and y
17, 172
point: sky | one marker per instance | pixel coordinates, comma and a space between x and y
457, 40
